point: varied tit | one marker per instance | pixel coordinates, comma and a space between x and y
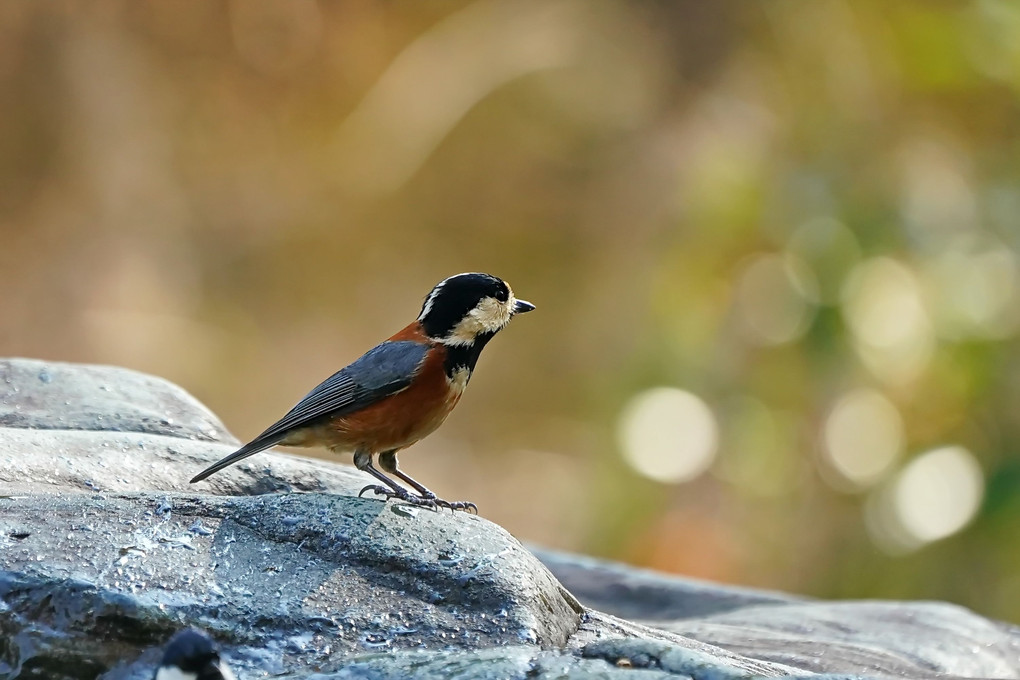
191, 655
400, 390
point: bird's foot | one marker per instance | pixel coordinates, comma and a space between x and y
427, 500
430, 496
399, 494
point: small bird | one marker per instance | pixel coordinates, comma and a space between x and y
400, 390
191, 655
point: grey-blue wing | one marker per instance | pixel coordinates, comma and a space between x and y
384, 370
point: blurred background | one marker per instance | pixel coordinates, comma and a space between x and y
774, 249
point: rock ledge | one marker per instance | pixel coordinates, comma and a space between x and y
107, 551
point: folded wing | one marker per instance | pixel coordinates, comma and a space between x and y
384, 370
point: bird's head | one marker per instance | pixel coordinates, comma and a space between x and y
468, 308
191, 655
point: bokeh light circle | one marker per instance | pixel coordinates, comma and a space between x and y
974, 285
938, 493
884, 308
668, 434
774, 298
863, 436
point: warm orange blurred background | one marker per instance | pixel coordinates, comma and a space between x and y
774, 250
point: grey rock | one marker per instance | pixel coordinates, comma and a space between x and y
48, 395
306, 579
102, 428
499, 663
908, 640
55, 461
919, 639
629, 592
672, 658
106, 551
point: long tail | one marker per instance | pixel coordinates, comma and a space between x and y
249, 449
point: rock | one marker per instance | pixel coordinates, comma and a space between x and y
498, 663
107, 551
288, 581
55, 396
915, 640
308, 579
66, 427
633, 593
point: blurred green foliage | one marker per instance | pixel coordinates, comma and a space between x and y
767, 205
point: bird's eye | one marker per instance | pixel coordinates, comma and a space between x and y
502, 294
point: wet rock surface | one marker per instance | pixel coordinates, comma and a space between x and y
291, 581
106, 551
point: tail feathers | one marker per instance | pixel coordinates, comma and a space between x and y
249, 449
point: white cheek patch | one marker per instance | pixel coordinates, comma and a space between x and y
489, 316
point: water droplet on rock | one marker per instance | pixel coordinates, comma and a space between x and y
374, 641
200, 529
450, 560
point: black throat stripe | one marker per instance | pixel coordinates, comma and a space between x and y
465, 356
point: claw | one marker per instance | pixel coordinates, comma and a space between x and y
466, 506
376, 489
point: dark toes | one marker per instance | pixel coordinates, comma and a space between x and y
399, 494
428, 500
467, 506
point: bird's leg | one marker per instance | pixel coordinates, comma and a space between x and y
388, 462
363, 461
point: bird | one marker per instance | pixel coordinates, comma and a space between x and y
191, 655
399, 391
